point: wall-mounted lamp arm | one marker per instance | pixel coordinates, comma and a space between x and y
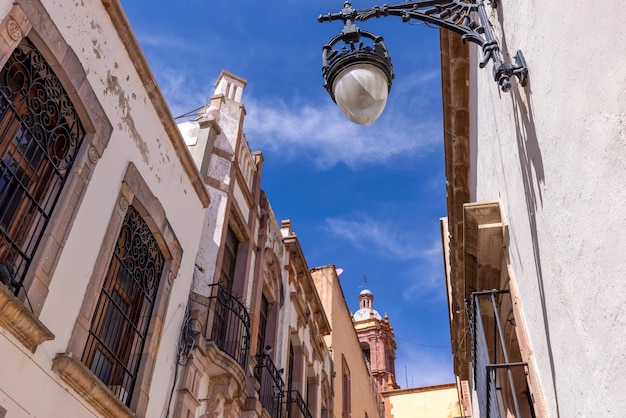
468, 18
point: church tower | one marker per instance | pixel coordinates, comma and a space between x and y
377, 342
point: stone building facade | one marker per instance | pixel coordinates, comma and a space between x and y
255, 319
142, 270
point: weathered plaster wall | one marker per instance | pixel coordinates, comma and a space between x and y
138, 137
554, 154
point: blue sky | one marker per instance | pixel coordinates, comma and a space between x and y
367, 199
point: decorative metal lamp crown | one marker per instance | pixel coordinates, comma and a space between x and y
358, 76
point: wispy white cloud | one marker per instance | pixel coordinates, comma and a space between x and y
308, 129
429, 272
162, 41
382, 238
182, 92
321, 134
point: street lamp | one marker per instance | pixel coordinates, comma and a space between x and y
358, 76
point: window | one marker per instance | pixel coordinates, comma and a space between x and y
124, 306
262, 325
345, 389
220, 332
500, 375
365, 347
228, 261
40, 135
120, 323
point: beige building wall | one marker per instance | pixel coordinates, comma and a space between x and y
440, 401
355, 392
546, 162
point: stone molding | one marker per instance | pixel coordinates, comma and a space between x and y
21, 322
73, 372
226, 394
455, 97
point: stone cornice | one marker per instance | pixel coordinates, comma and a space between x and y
73, 372
455, 96
218, 363
16, 318
292, 244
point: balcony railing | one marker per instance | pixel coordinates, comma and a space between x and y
228, 324
488, 380
296, 407
272, 386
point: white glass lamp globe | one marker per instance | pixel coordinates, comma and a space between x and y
361, 93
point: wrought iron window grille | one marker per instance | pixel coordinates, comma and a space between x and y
485, 365
272, 385
121, 320
40, 135
228, 324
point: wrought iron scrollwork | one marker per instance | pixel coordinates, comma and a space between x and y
40, 135
36, 93
465, 17
228, 324
139, 253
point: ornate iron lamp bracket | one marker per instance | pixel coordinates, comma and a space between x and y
465, 17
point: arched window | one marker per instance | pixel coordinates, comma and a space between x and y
365, 347
40, 134
120, 324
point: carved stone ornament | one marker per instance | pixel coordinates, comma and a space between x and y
93, 155
13, 30
31, 8
123, 203
215, 406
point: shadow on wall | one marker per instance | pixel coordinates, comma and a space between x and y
532, 163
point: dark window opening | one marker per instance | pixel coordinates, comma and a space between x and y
228, 261
262, 325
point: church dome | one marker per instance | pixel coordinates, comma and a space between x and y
366, 306
364, 313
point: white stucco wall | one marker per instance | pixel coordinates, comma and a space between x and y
554, 154
138, 137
